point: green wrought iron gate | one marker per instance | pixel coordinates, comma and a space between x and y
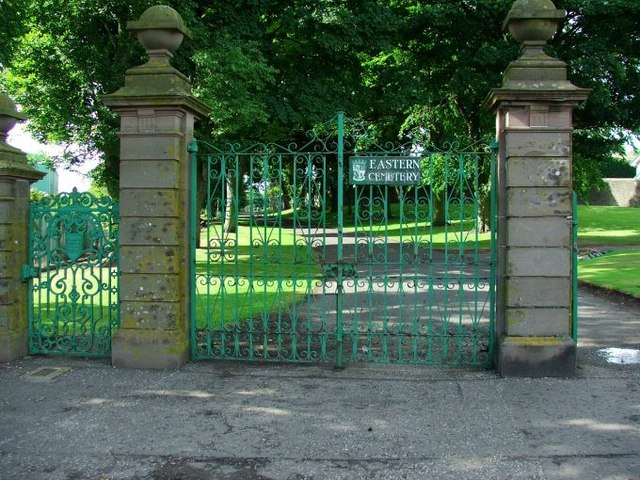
343, 251
73, 274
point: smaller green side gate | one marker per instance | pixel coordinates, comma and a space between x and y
73, 274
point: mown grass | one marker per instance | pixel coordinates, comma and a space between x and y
617, 270
460, 227
606, 227
73, 309
262, 270
251, 273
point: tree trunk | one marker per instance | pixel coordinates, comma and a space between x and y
230, 207
439, 212
201, 198
484, 222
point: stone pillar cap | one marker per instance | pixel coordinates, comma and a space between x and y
533, 9
13, 161
9, 116
160, 17
8, 108
533, 20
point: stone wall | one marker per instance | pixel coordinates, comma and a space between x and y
620, 192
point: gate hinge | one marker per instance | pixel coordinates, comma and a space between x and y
29, 272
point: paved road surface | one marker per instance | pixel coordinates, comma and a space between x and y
235, 421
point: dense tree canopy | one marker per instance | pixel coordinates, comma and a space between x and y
271, 69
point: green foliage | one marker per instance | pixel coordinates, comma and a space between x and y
40, 160
69, 55
233, 78
271, 70
593, 148
601, 46
13, 26
36, 195
617, 168
586, 175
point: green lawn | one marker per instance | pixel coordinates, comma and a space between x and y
259, 270
73, 310
605, 227
275, 269
396, 229
608, 226
617, 270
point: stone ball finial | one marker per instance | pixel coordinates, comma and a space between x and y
160, 28
533, 21
9, 115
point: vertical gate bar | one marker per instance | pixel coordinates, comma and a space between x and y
251, 274
294, 232
307, 164
222, 240
574, 270
322, 226
209, 304
461, 250
368, 191
475, 314
432, 277
384, 192
492, 246
217, 300
355, 337
339, 279
279, 283
51, 299
416, 268
445, 311
31, 280
400, 327
265, 260
195, 219
236, 280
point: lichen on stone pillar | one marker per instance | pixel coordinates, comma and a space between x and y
534, 124
15, 177
160, 30
157, 115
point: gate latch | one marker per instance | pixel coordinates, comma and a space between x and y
332, 270
28, 272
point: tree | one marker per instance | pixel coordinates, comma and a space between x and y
12, 14
601, 44
68, 56
272, 69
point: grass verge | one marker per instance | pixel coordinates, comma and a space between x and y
603, 226
252, 273
608, 226
617, 270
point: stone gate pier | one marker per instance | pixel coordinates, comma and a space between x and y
16, 176
157, 114
534, 109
